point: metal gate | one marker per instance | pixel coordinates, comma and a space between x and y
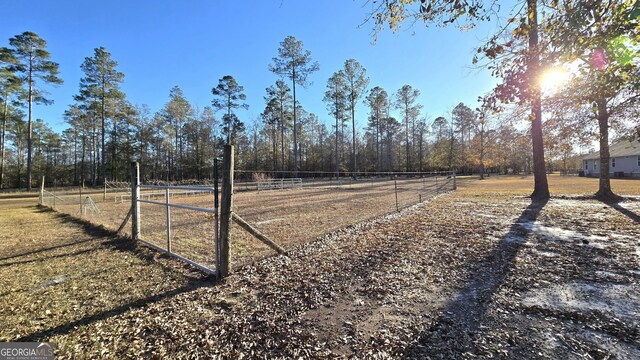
162, 197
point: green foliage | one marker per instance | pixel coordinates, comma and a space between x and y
100, 92
32, 65
356, 82
378, 102
33, 61
392, 13
336, 96
405, 101
293, 62
228, 95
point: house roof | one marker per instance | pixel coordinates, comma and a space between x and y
623, 148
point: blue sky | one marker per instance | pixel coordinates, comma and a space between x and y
159, 44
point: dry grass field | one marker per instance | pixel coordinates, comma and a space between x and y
558, 185
477, 273
296, 216
288, 217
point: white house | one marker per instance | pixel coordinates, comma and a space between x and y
624, 160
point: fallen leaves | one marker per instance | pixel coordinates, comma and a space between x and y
437, 281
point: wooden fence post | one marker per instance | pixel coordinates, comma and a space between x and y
226, 207
455, 187
135, 196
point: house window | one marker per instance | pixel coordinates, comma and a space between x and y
638, 160
613, 162
586, 165
595, 165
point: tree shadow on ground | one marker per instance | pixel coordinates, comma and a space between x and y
63, 329
108, 239
453, 331
624, 211
37, 251
49, 257
87, 226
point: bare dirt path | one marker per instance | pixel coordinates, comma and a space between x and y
477, 273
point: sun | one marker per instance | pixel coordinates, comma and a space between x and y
552, 79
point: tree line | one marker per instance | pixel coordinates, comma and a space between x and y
178, 142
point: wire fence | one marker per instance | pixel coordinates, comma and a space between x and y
306, 208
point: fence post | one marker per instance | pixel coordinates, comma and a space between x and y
81, 207
455, 187
226, 207
104, 192
42, 191
168, 214
135, 196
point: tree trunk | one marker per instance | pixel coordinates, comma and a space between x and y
20, 154
482, 153
604, 188
103, 159
337, 151
420, 152
3, 140
83, 158
75, 156
274, 135
353, 147
406, 122
30, 125
114, 153
377, 140
255, 149
181, 163
176, 163
295, 127
94, 173
541, 187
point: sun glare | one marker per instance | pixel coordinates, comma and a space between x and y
553, 79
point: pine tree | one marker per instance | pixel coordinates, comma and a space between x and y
177, 111
356, 82
336, 99
378, 101
294, 63
406, 97
9, 88
33, 64
100, 86
228, 96
280, 94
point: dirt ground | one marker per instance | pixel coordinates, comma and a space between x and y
477, 273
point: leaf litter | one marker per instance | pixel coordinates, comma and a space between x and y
436, 281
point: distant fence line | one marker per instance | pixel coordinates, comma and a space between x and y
180, 217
